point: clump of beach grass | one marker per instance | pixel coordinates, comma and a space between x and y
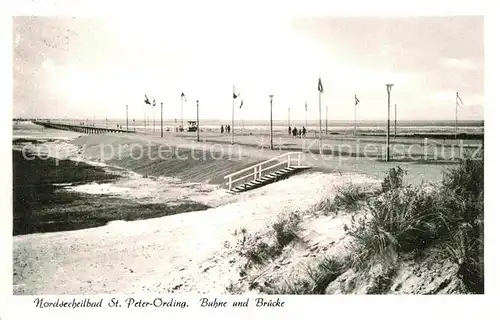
394, 179
317, 280
464, 187
285, 231
329, 269
398, 221
409, 219
348, 198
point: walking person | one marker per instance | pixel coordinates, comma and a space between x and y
221, 128
289, 131
303, 131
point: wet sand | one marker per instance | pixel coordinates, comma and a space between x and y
41, 202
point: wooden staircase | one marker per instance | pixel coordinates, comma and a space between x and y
279, 168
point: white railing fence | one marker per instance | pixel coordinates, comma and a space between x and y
255, 171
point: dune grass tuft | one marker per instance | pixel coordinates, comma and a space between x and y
285, 231
317, 280
329, 269
405, 219
349, 198
464, 187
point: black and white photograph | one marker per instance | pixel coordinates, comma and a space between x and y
250, 155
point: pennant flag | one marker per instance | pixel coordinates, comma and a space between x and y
320, 86
306, 106
460, 99
154, 102
235, 95
146, 100
356, 100
241, 104
183, 96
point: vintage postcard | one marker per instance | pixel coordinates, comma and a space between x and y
250, 156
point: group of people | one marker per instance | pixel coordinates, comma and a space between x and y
225, 128
297, 132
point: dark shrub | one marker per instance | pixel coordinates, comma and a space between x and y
394, 179
398, 221
463, 201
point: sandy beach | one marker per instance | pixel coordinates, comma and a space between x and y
195, 251
190, 251
251, 149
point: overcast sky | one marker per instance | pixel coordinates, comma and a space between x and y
75, 67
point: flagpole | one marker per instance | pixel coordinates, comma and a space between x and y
326, 122
271, 97
197, 121
288, 117
182, 115
161, 119
355, 107
242, 118
395, 119
320, 142
387, 155
306, 115
145, 122
456, 115
154, 122
232, 120
127, 118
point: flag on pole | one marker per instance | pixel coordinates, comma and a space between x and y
320, 86
356, 100
154, 102
235, 95
460, 99
241, 104
183, 96
146, 100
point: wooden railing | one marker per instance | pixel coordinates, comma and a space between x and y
290, 159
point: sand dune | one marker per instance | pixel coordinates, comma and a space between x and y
188, 251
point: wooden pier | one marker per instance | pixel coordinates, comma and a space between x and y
80, 128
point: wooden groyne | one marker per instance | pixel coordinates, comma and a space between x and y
80, 128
